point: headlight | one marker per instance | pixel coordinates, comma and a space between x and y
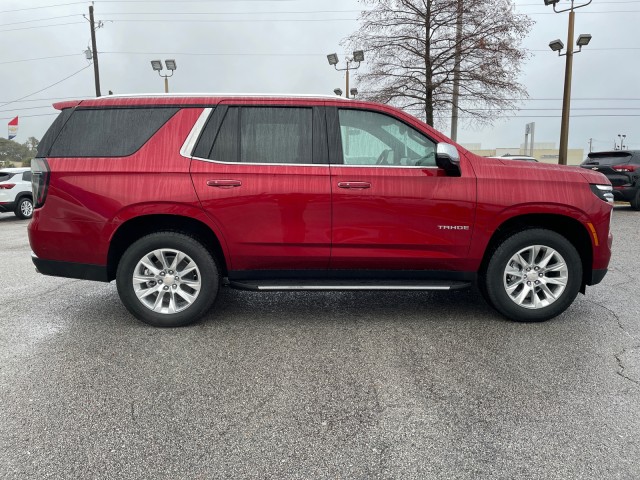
603, 192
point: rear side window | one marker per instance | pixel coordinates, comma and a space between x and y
115, 132
277, 135
4, 176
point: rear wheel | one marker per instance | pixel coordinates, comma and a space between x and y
24, 209
635, 201
534, 275
167, 279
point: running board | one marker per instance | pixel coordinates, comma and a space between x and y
329, 285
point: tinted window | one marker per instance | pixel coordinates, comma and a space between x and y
276, 135
26, 176
612, 158
115, 132
370, 138
54, 130
208, 134
225, 148
4, 176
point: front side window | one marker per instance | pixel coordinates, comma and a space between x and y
26, 176
370, 138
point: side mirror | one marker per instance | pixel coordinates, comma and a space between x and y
448, 158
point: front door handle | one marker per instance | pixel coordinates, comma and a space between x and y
224, 183
360, 185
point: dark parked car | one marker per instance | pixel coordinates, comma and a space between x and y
622, 168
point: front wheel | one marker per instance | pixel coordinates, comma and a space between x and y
534, 275
167, 279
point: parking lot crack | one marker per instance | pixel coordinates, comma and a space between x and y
621, 364
619, 356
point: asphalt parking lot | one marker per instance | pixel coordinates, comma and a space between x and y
318, 385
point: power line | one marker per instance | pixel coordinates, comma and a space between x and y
39, 20
42, 26
129, 1
29, 116
25, 108
44, 6
300, 12
47, 87
40, 58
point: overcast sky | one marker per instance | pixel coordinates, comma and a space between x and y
280, 46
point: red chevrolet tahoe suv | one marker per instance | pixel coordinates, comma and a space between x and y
174, 196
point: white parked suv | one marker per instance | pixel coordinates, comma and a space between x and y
15, 192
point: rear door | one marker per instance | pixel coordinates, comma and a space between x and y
261, 173
393, 209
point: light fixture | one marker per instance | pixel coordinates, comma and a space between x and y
337, 91
550, 2
358, 56
353, 92
333, 58
583, 39
171, 67
556, 45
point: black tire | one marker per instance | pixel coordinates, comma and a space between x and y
167, 289
635, 201
527, 299
24, 208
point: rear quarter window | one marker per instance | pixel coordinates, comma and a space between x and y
114, 132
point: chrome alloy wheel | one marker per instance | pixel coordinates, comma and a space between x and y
26, 208
535, 277
166, 281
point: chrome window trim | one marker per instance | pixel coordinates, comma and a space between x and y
189, 144
384, 166
208, 160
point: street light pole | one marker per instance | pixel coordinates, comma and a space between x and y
566, 97
557, 45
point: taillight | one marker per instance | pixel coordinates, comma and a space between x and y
7, 186
625, 168
40, 180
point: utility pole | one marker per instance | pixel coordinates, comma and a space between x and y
456, 75
96, 71
590, 145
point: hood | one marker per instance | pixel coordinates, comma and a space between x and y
594, 177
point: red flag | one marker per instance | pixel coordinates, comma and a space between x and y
13, 128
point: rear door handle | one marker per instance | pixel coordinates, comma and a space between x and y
354, 185
224, 183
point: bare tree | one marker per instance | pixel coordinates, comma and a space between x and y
418, 51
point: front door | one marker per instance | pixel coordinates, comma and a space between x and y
393, 209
